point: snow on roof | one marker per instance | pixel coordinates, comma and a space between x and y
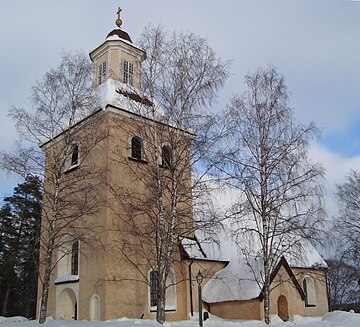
234, 282
67, 279
192, 248
127, 97
237, 280
309, 257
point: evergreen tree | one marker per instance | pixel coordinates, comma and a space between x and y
19, 248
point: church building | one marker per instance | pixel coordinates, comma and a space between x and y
101, 277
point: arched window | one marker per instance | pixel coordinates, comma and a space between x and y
72, 157
74, 154
95, 307
309, 290
154, 285
136, 147
166, 155
171, 291
170, 296
75, 258
68, 258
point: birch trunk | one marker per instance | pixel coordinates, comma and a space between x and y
49, 259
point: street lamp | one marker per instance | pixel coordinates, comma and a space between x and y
199, 279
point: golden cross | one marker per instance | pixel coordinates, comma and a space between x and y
118, 22
118, 12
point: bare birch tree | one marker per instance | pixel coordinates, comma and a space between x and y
348, 223
61, 100
343, 282
180, 77
265, 156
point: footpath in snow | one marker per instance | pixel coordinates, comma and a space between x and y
331, 319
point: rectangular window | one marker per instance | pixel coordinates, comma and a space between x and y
128, 72
74, 154
102, 72
154, 285
170, 292
75, 258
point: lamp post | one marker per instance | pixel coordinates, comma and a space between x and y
199, 279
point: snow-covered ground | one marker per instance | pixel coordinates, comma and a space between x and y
333, 319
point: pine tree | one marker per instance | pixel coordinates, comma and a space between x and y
19, 248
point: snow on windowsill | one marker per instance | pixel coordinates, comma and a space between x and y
71, 168
67, 279
167, 308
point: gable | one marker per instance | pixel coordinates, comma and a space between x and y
291, 278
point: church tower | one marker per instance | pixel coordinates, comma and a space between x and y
118, 58
114, 279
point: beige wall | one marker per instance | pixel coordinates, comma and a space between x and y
281, 286
319, 278
246, 310
114, 52
104, 270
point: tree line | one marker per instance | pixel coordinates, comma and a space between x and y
255, 146
20, 217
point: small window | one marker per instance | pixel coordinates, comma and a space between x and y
95, 307
74, 154
154, 285
72, 158
75, 258
166, 155
170, 295
309, 290
68, 260
102, 72
128, 72
136, 148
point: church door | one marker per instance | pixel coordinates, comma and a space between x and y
283, 309
67, 305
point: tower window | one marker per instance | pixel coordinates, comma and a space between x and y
102, 72
154, 285
75, 258
128, 72
74, 154
136, 147
72, 157
166, 155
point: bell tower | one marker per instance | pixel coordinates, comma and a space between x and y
117, 58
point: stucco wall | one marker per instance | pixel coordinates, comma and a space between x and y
283, 286
105, 272
319, 278
236, 309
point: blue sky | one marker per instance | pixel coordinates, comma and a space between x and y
314, 44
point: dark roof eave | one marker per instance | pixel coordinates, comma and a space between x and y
208, 259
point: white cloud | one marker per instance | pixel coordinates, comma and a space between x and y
337, 168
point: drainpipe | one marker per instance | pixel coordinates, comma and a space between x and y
190, 286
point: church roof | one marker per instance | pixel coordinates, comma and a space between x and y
120, 33
237, 281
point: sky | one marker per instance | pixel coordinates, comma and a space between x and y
315, 44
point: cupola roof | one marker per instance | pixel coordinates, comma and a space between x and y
120, 33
